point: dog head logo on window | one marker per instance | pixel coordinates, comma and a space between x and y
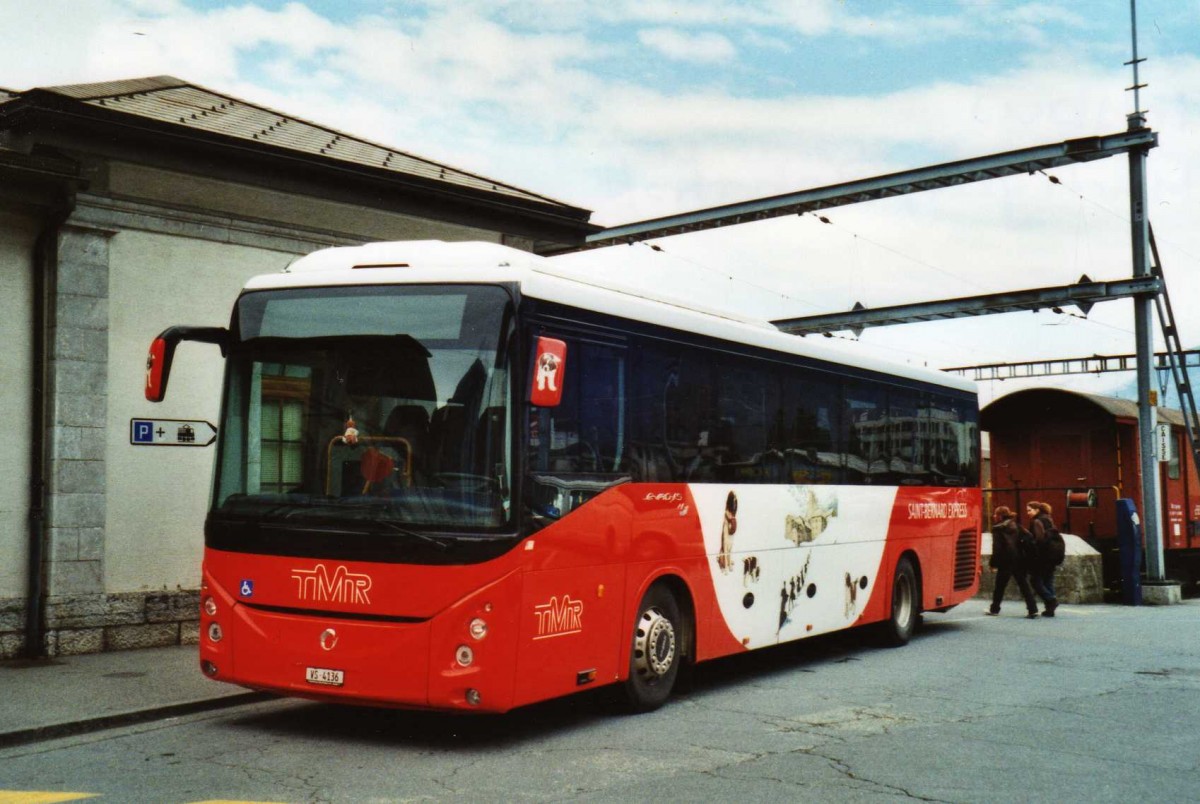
548, 371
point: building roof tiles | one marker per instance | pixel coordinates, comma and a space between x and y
173, 101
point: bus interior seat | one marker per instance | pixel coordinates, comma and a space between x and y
447, 432
489, 439
410, 422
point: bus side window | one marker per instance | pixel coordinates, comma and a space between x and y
865, 414
578, 447
745, 394
653, 378
953, 443
809, 428
907, 434
585, 432
696, 440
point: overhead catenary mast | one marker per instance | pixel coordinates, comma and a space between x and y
1143, 320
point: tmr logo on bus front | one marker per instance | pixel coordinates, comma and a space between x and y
559, 618
342, 586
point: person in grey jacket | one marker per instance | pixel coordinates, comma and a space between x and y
1010, 559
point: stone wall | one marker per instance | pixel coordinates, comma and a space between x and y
1079, 579
101, 622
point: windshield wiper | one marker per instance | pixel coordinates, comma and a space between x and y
441, 544
358, 515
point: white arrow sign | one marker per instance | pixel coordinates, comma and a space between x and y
171, 433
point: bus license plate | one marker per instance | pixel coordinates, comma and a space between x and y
321, 675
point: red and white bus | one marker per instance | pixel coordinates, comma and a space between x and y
452, 476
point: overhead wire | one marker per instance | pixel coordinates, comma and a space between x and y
858, 237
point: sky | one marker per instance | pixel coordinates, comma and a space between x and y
641, 108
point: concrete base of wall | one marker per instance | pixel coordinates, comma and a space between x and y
1161, 594
96, 623
1080, 579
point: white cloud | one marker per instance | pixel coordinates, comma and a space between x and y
536, 104
680, 46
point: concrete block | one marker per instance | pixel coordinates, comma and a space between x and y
73, 642
79, 477
91, 544
1080, 579
96, 611
76, 410
12, 645
64, 544
75, 577
189, 633
150, 635
1161, 594
12, 614
80, 376
12, 610
84, 312
174, 607
78, 443
77, 279
77, 510
72, 343
83, 247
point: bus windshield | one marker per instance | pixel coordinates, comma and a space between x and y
378, 408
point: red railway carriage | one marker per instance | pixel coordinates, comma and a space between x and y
450, 476
1047, 443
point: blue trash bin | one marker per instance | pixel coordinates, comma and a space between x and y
1129, 543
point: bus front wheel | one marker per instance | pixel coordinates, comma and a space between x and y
657, 650
906, 604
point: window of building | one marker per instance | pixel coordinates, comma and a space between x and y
284, 391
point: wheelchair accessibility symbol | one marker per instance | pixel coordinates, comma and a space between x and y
247, 589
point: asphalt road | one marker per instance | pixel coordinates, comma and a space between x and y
1099, 704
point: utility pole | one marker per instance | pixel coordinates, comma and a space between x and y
1143, 320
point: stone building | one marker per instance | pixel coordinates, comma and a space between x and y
127, 207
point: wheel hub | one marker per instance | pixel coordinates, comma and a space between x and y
904, 601
654, 645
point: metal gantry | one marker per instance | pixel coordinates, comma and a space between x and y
1083, 294
1090, 364
1145, 286
934, 177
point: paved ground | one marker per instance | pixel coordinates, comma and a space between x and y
73, 694
1096, 705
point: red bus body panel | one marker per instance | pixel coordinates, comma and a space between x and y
560, 606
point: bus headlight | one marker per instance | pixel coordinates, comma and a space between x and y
478, 628
210, 607
464, 655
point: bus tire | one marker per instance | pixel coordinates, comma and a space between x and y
906, 605
656, 652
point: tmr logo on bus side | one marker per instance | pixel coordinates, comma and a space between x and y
559, 618
343, 586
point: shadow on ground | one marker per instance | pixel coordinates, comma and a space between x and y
403, 728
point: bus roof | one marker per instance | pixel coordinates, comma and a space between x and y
429, 261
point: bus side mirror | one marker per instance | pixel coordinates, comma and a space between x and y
549, 368
162, 352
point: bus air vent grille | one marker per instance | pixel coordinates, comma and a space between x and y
965, 559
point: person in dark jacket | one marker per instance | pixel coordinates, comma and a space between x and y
1041, 572
1009, 561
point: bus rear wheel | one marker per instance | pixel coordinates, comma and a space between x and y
906, 604
657, 650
